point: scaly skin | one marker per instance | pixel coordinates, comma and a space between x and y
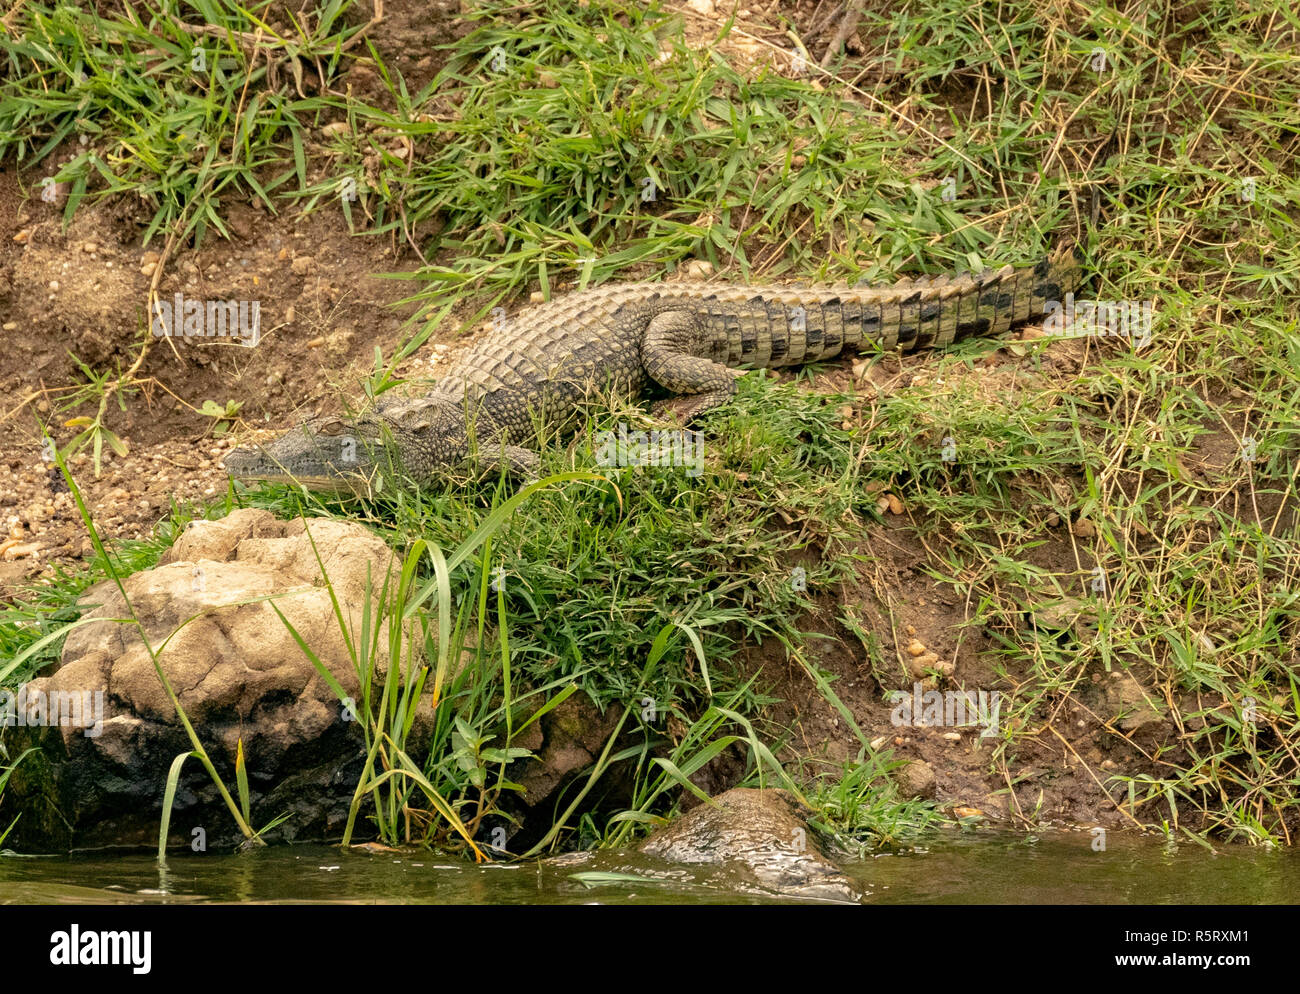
544, 365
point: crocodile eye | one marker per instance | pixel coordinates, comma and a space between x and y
331, 427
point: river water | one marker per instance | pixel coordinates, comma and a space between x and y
970, 868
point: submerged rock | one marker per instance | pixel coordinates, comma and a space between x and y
763, 837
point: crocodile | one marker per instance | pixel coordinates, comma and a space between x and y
537, 372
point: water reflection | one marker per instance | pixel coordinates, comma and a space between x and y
974, 868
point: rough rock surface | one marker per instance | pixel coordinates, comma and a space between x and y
575, 734
238, 673
916, 779
762, 836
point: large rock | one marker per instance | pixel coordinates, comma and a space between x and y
762, 836
568, 741
239, 674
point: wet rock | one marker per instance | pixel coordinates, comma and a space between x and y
763, 837
239, 674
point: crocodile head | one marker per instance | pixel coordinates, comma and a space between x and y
366, 454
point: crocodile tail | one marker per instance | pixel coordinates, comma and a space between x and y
939, 311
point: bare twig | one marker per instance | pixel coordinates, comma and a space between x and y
847, 23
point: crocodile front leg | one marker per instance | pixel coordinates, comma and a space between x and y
521, 463
671, 352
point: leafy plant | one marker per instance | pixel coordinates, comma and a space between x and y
222, 417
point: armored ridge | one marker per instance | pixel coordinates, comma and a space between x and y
694, 339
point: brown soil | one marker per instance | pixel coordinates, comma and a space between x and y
82, 292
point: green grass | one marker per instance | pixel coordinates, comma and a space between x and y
563, 148
176, 118
678, 552
695, 577
532, 148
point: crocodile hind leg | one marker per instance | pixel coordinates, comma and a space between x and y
671, 354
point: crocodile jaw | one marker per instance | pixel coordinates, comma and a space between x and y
250, 466
320, 483
326, 454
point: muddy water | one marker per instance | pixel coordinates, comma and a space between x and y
969, 869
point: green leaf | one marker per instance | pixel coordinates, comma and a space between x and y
241, 777
169, 795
